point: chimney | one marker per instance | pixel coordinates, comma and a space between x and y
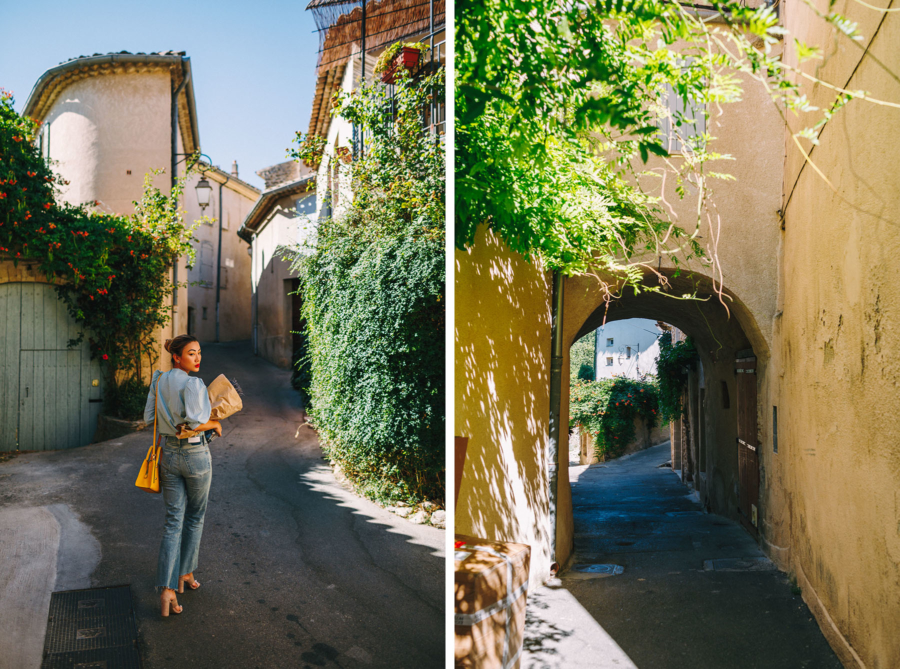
234, 170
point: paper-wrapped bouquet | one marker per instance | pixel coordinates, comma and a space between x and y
225, 400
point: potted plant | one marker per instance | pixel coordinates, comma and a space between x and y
399, 54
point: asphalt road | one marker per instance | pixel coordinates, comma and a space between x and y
666, 611
295, 570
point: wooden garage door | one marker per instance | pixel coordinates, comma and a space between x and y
48, 399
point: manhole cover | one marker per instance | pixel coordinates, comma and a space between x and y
594, 570
740, 564
91, 629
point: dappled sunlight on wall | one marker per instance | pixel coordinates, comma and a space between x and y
502, 397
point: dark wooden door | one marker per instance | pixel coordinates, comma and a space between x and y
747, 444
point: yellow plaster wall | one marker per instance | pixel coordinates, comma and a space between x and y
840, 347
502, 366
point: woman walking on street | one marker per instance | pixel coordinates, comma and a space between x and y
177, 399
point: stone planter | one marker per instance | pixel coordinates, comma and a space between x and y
113, 428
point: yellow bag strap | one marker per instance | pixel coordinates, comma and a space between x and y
155, 409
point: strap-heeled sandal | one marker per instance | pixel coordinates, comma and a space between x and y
193, 583
168, 604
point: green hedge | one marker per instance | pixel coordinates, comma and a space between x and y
373, 302
607, 409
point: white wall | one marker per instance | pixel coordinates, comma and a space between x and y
638, 334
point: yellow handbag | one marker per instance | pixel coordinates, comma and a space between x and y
148, 477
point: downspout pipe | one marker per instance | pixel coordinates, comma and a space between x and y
556, 366
219, 259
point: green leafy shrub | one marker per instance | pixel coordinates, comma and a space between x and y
373, 300
301, 376
607, 409
586, 372
127, 400
114, 270
581, 353
672, 367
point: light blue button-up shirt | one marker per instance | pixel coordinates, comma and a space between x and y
182, 399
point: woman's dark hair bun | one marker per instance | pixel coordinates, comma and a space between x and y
168, 345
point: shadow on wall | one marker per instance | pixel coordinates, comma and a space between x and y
502, 402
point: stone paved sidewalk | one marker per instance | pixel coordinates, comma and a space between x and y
666, 611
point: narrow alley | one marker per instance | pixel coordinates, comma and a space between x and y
296, 571
695, 590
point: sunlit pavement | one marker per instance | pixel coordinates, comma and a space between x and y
665, 611
295, 570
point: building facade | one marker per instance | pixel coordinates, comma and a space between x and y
791, 405
626, 348
107, 121
219, 291
283, 216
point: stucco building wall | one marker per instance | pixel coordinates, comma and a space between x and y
235, 317
272, 281
839, 349
106, 132
502, 366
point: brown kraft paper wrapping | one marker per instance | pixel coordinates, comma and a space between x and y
489, 603
223, 399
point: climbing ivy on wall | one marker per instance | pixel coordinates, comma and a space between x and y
558, 106
672, 368
114, 270
607, 410
373, 300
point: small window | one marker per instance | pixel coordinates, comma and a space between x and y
627, 351
609, 342
609, 362
204, 313
685, 120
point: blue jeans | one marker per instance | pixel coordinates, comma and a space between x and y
185, 476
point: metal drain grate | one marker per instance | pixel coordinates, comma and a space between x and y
586, 571
91, 629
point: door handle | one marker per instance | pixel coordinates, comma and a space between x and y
26, 391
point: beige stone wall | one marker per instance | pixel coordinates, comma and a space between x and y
23, 272
839, 350
748, 248
502, 366
101, 128
271, 277
106, 132
235, 318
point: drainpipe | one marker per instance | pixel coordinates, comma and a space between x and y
556, 364
174, 172
219, 259
254, 264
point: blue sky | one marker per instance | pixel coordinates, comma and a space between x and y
253, 62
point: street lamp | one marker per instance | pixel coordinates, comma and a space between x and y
204, 191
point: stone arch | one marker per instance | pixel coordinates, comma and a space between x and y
720, 334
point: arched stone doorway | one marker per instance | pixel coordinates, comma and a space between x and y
723, 450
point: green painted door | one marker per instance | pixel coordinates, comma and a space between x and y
48, 396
